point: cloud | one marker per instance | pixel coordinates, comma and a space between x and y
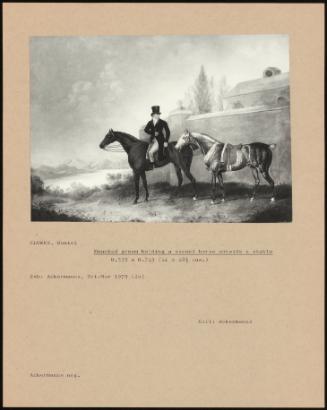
81, 86
88, 102
79, 92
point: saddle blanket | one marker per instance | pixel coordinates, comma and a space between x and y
229, 155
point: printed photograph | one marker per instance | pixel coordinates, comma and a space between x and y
160, 129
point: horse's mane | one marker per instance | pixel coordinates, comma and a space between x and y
208, 136
131, 137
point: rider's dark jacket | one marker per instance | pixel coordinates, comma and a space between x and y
160, 127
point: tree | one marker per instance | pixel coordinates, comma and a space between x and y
180, 105
213, 93
37, 185
188, 100
222, 90
202, 95
206, 95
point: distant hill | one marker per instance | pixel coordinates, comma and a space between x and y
77, 166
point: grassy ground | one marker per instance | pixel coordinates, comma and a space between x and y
165, 205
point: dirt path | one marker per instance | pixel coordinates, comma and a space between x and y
165, 206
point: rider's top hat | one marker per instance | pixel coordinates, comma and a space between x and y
155, 109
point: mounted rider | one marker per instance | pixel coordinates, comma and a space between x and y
156, 128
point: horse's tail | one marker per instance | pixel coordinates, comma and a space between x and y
272, 146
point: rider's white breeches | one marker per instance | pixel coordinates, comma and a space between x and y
154, 147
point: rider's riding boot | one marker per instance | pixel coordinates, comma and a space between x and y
150, 166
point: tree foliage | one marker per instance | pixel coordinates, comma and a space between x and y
206, 95
37, 185
222, 90
202, 94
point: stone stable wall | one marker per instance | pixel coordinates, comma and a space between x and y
270, 91
271, 98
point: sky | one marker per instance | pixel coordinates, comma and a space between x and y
82, 86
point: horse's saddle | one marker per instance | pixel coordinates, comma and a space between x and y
224, 156
231, 155
158, 162
163, 156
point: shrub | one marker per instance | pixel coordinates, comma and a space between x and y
37, 185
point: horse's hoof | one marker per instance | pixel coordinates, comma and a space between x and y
195, 198
223, 200
272, 199
252, 199
135, 202
212, 202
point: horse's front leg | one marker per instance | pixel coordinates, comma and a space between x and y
179, 177
222, 188
187, 172
136, 183
213, 187
145, 185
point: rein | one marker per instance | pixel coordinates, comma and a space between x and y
195, 141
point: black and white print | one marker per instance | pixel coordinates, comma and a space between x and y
160, 129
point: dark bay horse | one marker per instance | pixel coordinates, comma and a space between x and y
257, 156
136, 151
